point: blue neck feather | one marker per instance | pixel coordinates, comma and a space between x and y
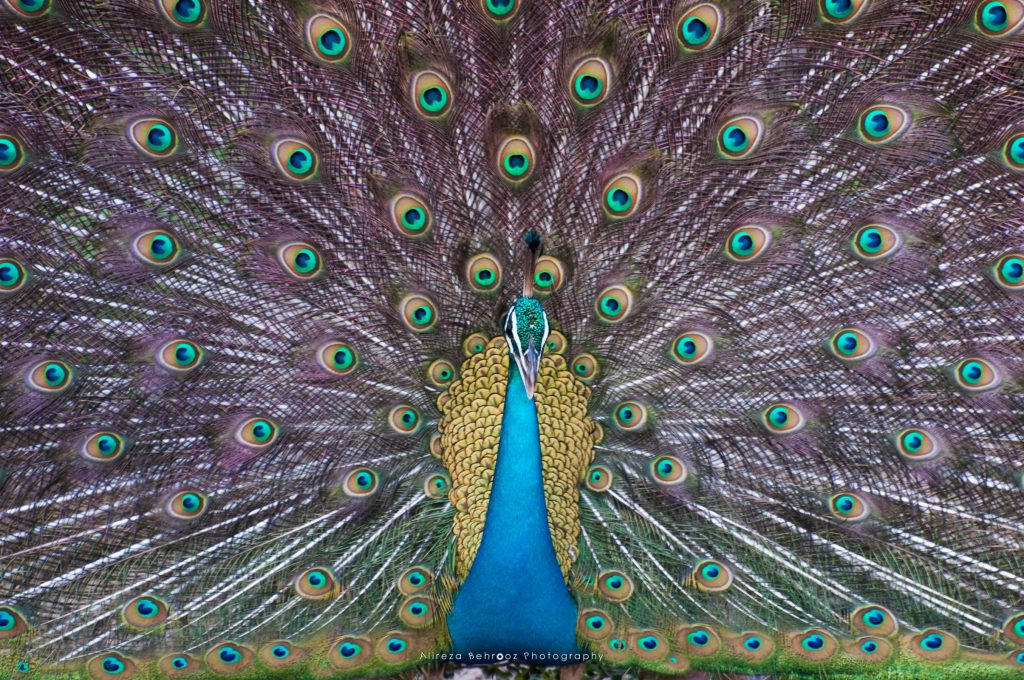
514, 599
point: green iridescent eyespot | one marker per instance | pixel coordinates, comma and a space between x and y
747, 243
629, 416
483, 273
188, 504
999, 18
599, 478
668, 470
360, 482
50, 377
883, 123
875, 242
500, 10
337, 357
841, 11
184, 13
739, 137
12, 153
102, 447
431, 94
594, 624
516, 159
154, 137
1008, 272
316, 583
590, 81
294, 159
256, 433
783, 418
328, 38
418, 312
1013, 152
975, 374
410, 215
699, 28
404, 419
849, 507
13, 275
548, 275
852, 345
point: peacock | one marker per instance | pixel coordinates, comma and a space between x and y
604, 338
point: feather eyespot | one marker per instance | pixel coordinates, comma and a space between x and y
629, 416
349, 652
145, 611
698, 29
257, 433
594, 624
712, 576
999, 18
474, 344
841, 11
296, 160
976, 375
882, 123
415, 580
431, 94
590, 81
614, 585
754, 646
12, 623
747, 243
915, 444
404, 419
584, 367
1013, 629
875, 242
157, 247
851, 345
393, 647
441, 373
698, 640
622, 195
153, 137
870, 649
316, 583
13, 275
934, 645
280, 654
668, 471
849, 507
648, 645
29, 9
49, 377
328, 39
816, 645
614, 303
360, 483
178, 665
110, 665
1008, 272
783, 418
500, 10
179, 355
437, 485
1013, 152
483, 273
300, 260
418, 312
102, 447
184, 13
410, 215
692, 348
740, 136
874, 620
516, 159
337, 358
188, 504
417, 612
12, 153
599, 478
548, 274
229, 658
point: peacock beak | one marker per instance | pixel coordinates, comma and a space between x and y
529, 366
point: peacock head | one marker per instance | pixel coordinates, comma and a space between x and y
526, 331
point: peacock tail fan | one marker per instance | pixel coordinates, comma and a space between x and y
263, 322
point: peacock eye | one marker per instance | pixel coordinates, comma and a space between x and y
874, 649
153, 137
415, 580
556, 343
873, 620
712, 576
337, 358
279, 654
594, 624
294, 159
816, 644
49, 377
875, 242
103, 447
841, 11
1013, 629
300, 260
410, 215
418, 312
629, 416
584, 367
316, 583
348, 652
156, 247
188, 504
976, 375
483, 272
668, 470
548, 274
393, 648
12, 623
783, 418
852, 345
474, 344
849, 507
360, 482
328, 38
882, 123
177, 664
647, 644
110, 665
500, 10
614, 585
740, 136
934, 644
614, 303
431, 94
417, 612
999, 19
599, 478
145, 611
622, 195
747, 243
699, 641
441, 373
1013, 152
915, 444
228, 658
1008, 272
12, 153
755, 647
184, 13
698, 29
12, 275
404, 419
437, 485
590, 81
179, 355
516, 159
29, 9
257, 433
692, 348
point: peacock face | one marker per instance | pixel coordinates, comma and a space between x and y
526, 331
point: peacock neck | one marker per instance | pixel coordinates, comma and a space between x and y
514, 599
